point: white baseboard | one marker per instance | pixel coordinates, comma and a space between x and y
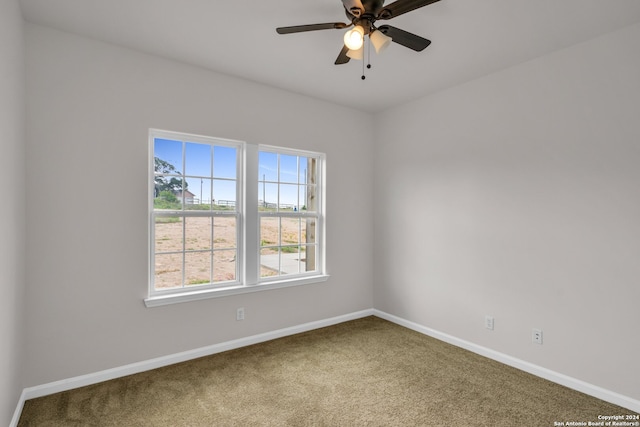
18, 411
567, 381
134, 368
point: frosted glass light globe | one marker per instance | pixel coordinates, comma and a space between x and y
354, 39
379, 40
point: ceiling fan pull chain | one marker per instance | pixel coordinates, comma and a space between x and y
368, 58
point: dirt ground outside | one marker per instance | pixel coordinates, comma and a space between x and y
210, 252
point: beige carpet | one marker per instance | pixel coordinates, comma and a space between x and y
367, 372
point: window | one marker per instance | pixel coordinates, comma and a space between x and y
229, 217
195, 212
289, 213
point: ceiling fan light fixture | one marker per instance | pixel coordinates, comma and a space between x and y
354, 39
379, 40
357, 54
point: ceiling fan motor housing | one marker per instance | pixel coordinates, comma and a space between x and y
371, 10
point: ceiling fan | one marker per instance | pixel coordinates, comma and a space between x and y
363, 14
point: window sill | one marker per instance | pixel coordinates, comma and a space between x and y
157, 301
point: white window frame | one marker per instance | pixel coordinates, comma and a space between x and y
247, 225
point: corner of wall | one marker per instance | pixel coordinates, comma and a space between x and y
12, 223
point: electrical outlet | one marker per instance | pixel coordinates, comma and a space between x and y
488, 322
536, 337
240, 313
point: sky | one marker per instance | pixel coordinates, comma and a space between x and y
208, 168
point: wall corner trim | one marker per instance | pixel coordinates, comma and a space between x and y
539, 371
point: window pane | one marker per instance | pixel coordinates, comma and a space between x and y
166, 200
197, 233
198, 194
267, 166
268, 197
197, 268
168, 234
269, 262
309, 198
269, 231
197, 159
224, 162
288, 196
167, 179
186, 197
288, 168
168, 156
309, 227
290, 257
224, 194
224, 233
224, 265
168, 271
290, 231
290, 260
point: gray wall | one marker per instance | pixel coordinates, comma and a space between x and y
517, 195
12, 213
89, 108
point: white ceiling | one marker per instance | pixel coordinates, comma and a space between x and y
470, 38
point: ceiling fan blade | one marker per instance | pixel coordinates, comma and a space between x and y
355, 7
405, 38
342, 57
311, 27
403, 6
